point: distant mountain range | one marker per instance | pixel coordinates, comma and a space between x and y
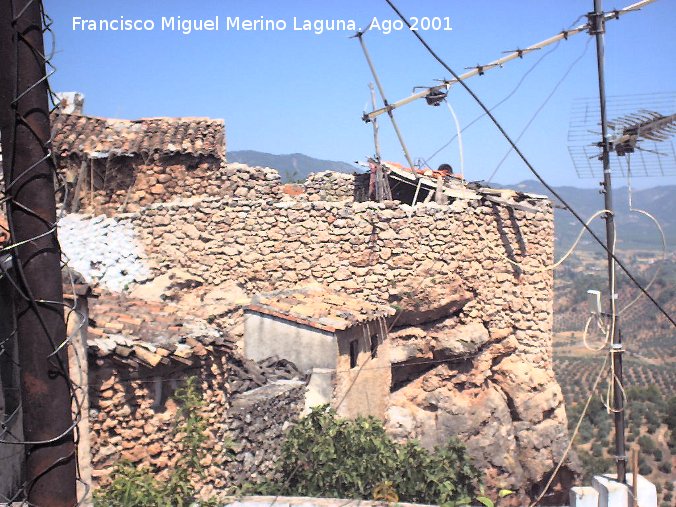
293, 167
635, 231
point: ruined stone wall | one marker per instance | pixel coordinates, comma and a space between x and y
131, 419
257, 422
120, 184
482, 371
247, 406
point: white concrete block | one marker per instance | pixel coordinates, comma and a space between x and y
611, 492
584, 497
647, 492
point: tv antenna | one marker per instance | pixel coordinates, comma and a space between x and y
643, 125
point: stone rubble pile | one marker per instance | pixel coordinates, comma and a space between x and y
249, 375
257, 422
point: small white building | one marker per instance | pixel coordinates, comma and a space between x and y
341, 340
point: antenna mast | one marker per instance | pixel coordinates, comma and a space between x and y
597, 28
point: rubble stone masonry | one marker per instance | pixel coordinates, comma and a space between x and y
482, 373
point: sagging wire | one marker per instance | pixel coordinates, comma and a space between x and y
540, 108
576, 430
511, 93
659, 228
459, 137
551, 267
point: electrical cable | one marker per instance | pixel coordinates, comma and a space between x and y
459, 136
527, 163
574, 435
539, 109
659, 227
511, 93
498, 104
555, 265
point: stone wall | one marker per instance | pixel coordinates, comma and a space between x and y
247, 406
330, 186
485, 370
119, 184
133, 414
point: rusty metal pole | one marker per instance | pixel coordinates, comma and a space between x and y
50, 467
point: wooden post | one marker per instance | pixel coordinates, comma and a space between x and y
28, 167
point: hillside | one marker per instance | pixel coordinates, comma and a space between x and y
292, 167
649, 367
635, 231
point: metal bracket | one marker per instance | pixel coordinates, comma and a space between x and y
597, 22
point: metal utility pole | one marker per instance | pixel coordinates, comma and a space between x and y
50, 462
597, 28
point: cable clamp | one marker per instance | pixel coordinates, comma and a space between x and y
597, 23
621, 458
616, 348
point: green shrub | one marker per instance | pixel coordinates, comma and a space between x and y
324, 455
645, 469
647, 444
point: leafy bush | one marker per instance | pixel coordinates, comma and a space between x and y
324, 455
647, 444
137, 487
665, 467
645, 469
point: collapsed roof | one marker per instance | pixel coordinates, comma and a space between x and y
318, 307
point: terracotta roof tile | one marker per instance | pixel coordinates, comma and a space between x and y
319, 307
147, 333
99, 137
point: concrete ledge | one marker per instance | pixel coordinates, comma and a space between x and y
584, 497
286, 501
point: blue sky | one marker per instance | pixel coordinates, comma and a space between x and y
290, 91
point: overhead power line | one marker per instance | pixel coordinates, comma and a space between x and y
516, 149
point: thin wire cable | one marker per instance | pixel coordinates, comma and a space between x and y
550, 267
527, 163
459, 136
573, 436
510, 94
660, 229
17, 278
542, 106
